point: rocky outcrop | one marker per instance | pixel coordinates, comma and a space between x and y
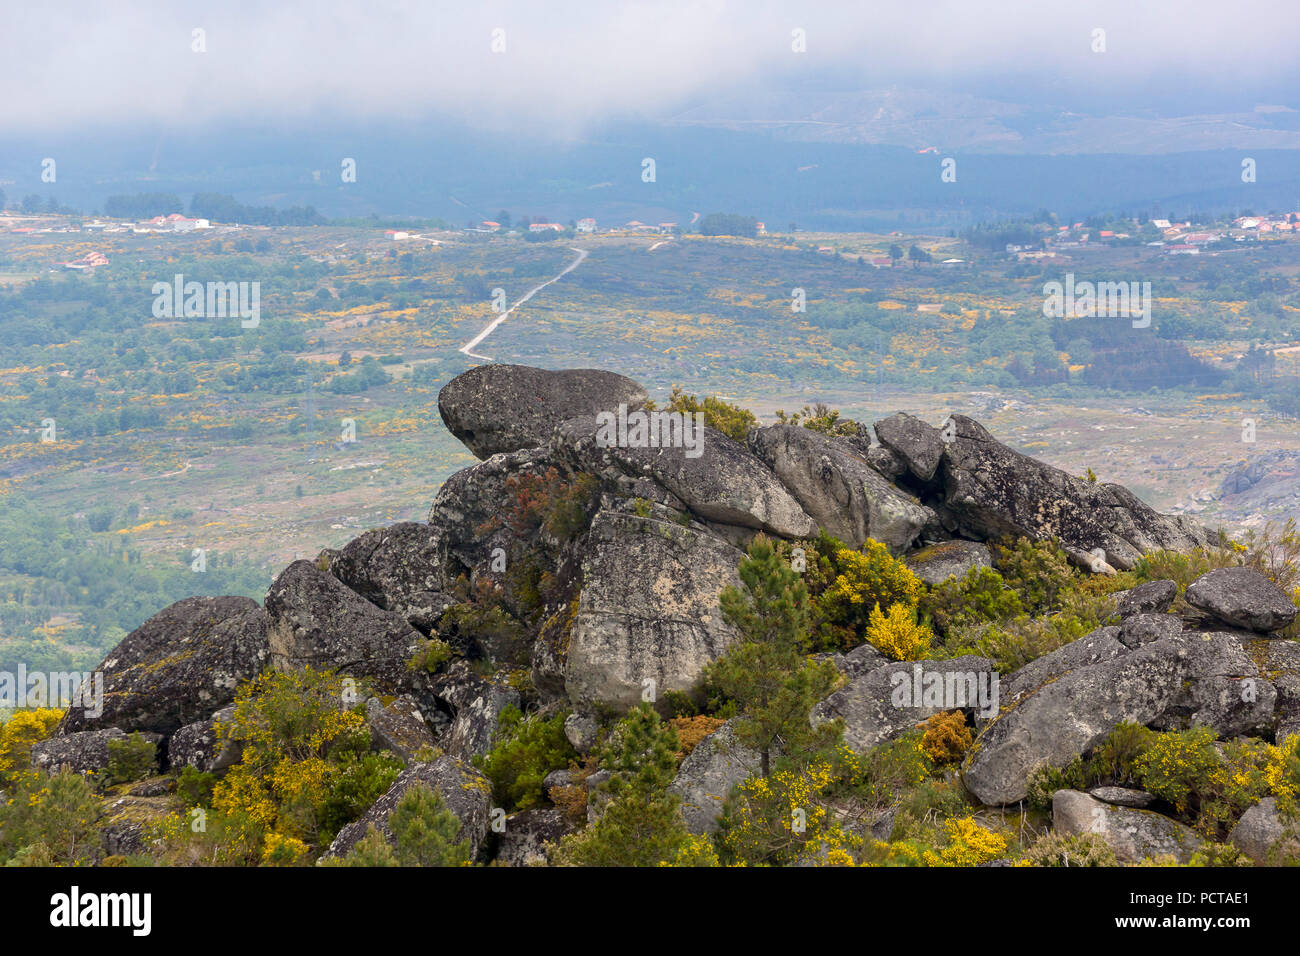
530, 836
990, 490
180, 665
723, 483
464, 791
839, 489
917, 443
503, 408
1241, 597
476, 704
399, 727
648, 618
317, 621
1262, 836
1149, 597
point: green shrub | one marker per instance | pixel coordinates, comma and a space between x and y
131, 759
430, 654
732, 420
1013, 644
195, 787
641, 824
1115, 759
424, 834
879, 776
862, 581
1038, 571
524, 751
980, 596
54, 816
820, 417
1176, 766
1045, 780
357, 781
1219, 854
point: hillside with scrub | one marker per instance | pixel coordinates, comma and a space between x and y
816, 642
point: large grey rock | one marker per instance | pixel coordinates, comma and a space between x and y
890, 700
1102, 644
990, 491
530, 835
400, 568
724, 483
501, 408
1070, 715
1133, 834
476, 704
948, 559
199, 744
707, 775
1145, 628
1261, 834
858, 661
85, 751
465, 791
317, 621
581, 730
469, 509
399, 727
1123, 797
1281, 662
648, 610
838, 488
1241, 597
919, 444
1230, 704
1149, 597
179, 666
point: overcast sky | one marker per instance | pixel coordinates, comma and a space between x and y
567, 64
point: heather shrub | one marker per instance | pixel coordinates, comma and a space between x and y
865, 579
946, 738
53, 816
1038, 571
1059, 849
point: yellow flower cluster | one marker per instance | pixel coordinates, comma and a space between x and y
897, 634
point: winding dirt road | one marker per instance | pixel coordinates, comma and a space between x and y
468, 347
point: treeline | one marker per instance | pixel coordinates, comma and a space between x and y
143, 205
728, 224
222, 208
217, 207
